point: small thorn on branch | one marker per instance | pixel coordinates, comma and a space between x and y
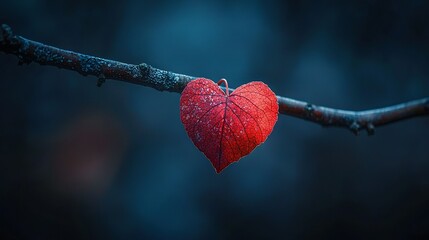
6, 33
22, 60
370, 129
101, 80
354, 127
309, 109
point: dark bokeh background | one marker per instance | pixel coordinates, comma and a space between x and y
81, 162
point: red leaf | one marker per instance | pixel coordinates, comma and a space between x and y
227, 127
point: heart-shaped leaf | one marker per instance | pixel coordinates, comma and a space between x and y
226, 127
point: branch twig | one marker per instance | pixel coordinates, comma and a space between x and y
143, 74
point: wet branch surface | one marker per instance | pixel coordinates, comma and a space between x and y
29, 51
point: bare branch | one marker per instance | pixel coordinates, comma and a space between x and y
353, 120
143, 74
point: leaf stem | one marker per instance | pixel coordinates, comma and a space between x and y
223, 80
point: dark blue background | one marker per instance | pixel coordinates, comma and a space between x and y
81, 162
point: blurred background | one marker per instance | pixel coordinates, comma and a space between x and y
82, 162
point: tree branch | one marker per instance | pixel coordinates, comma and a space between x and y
143, 74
